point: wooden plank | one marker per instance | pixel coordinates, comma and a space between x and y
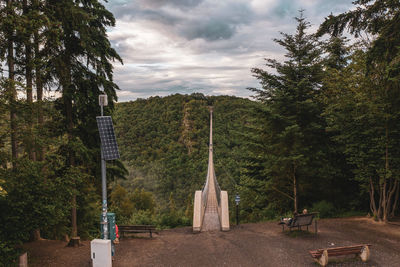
23, 260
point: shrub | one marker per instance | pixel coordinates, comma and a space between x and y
173, 219
325, 209
143, 200
145, 217
8, 254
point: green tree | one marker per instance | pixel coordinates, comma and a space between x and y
120, 202
294, 126
381, 19
82, 65
8, 25
143, 200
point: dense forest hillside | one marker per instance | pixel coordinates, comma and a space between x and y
164, 144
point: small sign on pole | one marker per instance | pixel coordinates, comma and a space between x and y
237, 200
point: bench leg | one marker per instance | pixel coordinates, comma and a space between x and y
364, 255
323, 260
151, 236
316, 227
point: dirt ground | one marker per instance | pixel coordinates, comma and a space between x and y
261, 244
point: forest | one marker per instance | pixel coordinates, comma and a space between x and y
320, 132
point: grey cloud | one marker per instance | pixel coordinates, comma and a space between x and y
211, 31
322, 8
175, 3
132, 11
209, 21
206, 46
213, 25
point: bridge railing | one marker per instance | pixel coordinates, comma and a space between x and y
217, 190
204, 193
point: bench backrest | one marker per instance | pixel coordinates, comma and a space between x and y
136, 227
303, 219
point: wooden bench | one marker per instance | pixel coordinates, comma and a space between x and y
321, 255
299, 221
137, 229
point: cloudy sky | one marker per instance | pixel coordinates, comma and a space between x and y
207, 46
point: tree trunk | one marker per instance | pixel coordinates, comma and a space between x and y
74, 231
393, 189
295, 189
29, 96
372, 198
67, 95
74, 225
396, 199
381, 186
384, 200
36, 235
386, 191
39, 92
11, 89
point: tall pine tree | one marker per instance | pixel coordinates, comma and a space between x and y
294, 127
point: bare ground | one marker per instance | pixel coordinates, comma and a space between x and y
261, 244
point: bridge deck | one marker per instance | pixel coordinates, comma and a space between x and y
211, 220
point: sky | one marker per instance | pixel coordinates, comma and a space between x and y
203, 46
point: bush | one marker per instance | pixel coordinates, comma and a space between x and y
143, 200
173, 219
8, 254
325, 209
139, 217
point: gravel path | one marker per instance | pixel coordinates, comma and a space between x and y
261, 244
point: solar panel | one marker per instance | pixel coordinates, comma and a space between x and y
107, 137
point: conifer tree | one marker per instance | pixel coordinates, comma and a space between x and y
9, 22
82, 65
294, 126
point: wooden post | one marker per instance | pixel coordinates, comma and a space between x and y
23, 260
323, 260
364, 255
74, 242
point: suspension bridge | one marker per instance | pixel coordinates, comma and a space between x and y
211, 210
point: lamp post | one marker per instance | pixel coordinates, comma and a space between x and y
237, 200
103, 102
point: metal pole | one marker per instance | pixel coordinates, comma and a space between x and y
104, 191
104, 196
237, 214
104, 221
